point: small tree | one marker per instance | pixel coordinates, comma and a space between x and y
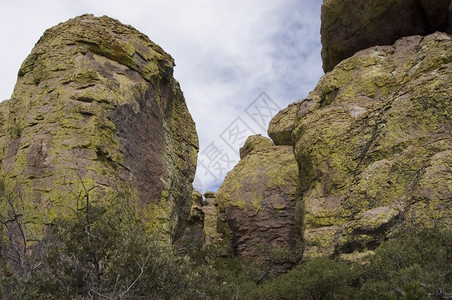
103, 252
21, 253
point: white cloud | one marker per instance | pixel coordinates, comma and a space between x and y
226, 52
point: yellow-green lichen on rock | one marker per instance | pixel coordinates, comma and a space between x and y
211, 220
4, 116
372, 142
96, 109
257, 200
350, 26
194, 237
282, 124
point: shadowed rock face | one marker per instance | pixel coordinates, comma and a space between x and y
257, 199
96, 107
350, 26
374, 148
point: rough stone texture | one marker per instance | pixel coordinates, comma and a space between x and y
193, 237
350, 26
4, 113
282, 124
257, 201
96, 106
211, 218
374, 146
254, 142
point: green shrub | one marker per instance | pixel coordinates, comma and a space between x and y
101, 252
319, 278
415, 265
112, 257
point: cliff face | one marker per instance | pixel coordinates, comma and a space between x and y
96, 111
374, 147
372, 141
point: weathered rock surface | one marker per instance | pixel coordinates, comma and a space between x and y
257, 200
254, 142
282, 124
4, 112
211, 219
193, 237
350, 26
96, 108
374, 146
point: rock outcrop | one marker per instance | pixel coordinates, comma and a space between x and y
350, 26
372, 141
96, 110
211, 220
96, 113
374, 146
282, 124
257, 200
253, 143
193, 237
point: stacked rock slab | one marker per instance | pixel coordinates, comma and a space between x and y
350, 26
257, 200
211, 219
193, 237
96, 110
374, 146
282, 124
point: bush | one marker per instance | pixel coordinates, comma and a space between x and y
103, 252
319, 278
112, 257
416, 265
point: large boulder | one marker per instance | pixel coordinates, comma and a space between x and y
282, 124
257, 200
374, 146
96, 112
350, 26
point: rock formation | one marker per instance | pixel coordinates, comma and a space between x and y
350, 26
374, 147
193, 237
372, 140
257, 200
96, 111
211, 219
282, 124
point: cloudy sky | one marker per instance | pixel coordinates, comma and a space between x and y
238, 62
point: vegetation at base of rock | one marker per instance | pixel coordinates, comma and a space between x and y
99, 252
415, 265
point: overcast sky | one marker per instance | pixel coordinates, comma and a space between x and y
238, 62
